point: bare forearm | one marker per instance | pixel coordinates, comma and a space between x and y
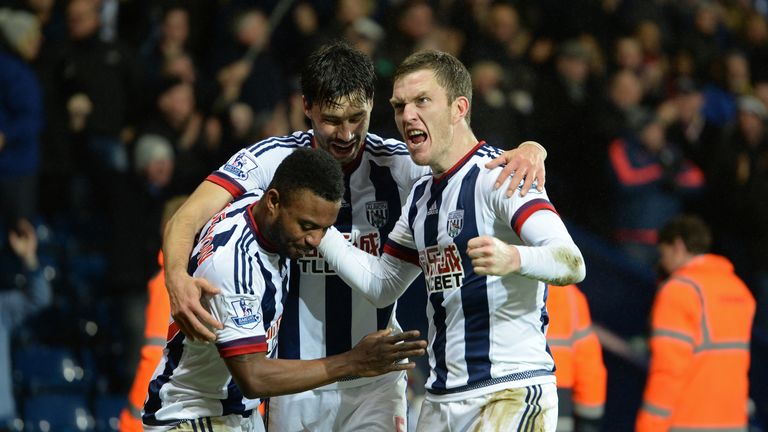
275, 377
178, 243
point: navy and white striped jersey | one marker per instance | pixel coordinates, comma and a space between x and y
192, 381
323, 315
485, 332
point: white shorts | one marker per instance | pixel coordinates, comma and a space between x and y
230, 423
378, 406
525, 408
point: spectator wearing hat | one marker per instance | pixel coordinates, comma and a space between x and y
132, 256
21, 115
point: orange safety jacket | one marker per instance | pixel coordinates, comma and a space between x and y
580, 372
155, 330
701, 322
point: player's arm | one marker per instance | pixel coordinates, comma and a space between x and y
184, 290
258, 376
526, 162
550, 255
380, 279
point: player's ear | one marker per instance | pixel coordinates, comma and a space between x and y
272, 198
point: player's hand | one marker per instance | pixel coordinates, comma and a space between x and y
526, 162
188, 312
491, 256
382, 351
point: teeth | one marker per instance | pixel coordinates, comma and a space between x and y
415, 132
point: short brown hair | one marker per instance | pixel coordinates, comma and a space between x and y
693, 231
449, 72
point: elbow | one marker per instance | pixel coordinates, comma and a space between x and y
575, 269
255, 390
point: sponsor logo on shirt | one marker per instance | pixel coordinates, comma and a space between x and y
246, 314
240, 166
313, 262
206, 244
442, 267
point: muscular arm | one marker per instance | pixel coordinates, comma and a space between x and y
380, 279
378, 353
184, 291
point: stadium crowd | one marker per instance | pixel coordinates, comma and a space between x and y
108, 109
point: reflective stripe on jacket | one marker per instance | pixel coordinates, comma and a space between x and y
578, 356
701, 322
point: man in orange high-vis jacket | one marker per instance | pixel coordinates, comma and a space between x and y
156, 328
701, 322
580, 372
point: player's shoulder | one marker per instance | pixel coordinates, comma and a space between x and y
282, 144
376, 145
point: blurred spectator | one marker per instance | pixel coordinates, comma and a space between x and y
503, 39
742, 170
700, 332
90, 92
706, 39
652, 181
579, 368
494, 118
622, 109
168, 42
245, 69
563, 104
180, 122
137, 207
698, 138
21, 115
15, 306
755, 45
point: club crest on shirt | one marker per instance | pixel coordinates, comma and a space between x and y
455, 223
246, 314
377, 213
240, 166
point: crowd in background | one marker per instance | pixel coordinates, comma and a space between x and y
648, 108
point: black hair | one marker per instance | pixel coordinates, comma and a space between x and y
449, 72
337, 71
694, 233
314, 170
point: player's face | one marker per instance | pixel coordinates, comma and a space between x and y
302, 222
340, 129
423, 117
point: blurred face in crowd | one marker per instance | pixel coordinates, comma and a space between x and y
253, 29
176, 26
425, 118
340, 127
671, 255
504, 22
653, 136
626, 90
82, 19
177, 103
159, 172
416, 21
298, 223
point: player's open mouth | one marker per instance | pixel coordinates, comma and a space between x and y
343, 147
416, 137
